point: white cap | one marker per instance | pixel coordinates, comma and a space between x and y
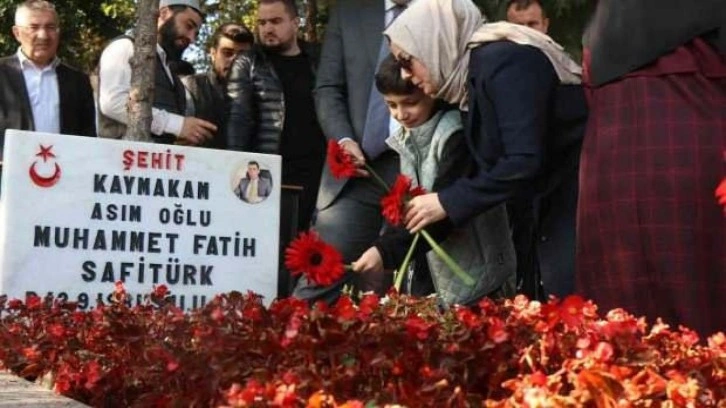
189, 3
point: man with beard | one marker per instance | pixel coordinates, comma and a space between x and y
271, 108
178, 25
205, 92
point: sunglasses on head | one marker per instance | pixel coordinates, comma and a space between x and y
405, 60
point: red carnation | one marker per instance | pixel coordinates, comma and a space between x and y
394, 202
340, 162
318, 261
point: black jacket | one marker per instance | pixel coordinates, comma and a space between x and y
207, 94
626, 35
256, 103
526, 149
77, 111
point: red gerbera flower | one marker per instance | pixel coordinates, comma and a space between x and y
320, 262
340, 162
394, 202
721, 193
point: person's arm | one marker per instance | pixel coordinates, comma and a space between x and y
241, 118
518, 81
386, 253
114, 85
392, 246
331, 89
389, 249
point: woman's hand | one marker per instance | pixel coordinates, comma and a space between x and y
422, 211
370, 261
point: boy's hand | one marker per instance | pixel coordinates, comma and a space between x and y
423, 210
370, 261
354, 150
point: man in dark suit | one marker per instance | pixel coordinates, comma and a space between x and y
351, 113
38, 91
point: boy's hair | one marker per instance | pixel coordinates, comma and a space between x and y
389, 80
236, 32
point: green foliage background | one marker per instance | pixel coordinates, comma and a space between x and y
86, 25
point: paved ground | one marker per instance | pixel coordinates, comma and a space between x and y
16, 392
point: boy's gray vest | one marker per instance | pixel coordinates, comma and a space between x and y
434, 155
167, 96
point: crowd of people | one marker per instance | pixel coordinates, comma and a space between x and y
544, 176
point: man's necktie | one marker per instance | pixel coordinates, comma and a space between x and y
252, 196
375, 131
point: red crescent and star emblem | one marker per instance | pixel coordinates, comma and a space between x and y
41, 180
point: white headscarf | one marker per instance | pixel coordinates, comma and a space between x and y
440, 34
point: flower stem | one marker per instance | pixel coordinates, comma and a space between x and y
465, 277
404, 265
377, 177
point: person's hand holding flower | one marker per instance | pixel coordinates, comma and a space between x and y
370, 262
423, 210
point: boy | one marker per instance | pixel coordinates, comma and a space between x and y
432, 153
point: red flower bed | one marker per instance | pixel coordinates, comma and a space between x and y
236, 352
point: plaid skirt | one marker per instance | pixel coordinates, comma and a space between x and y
651, 237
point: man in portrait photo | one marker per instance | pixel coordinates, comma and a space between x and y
252, 188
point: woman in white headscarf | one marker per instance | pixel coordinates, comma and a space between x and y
524, 125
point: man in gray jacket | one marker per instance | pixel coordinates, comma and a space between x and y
352, 113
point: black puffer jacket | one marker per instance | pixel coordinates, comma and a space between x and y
256, 103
